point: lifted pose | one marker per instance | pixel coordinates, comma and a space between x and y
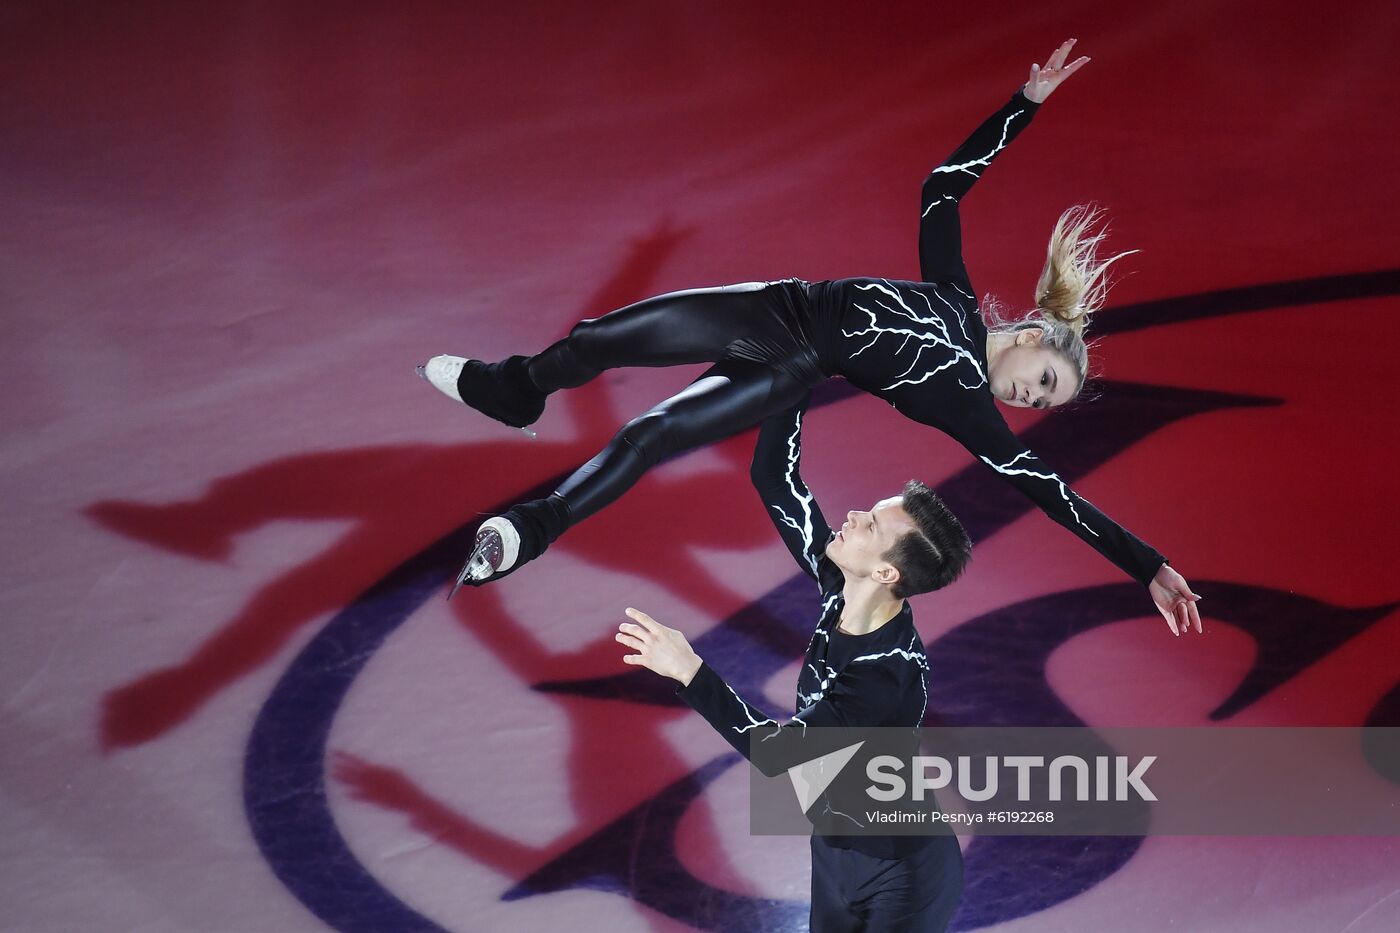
922, 346
865, 667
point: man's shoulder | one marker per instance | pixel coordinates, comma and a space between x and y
900, 644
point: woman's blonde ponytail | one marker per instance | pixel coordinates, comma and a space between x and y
1073, 285
1071, 289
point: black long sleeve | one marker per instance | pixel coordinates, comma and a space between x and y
877, 679
863, 694
940, 229
987, 437
921, 346
787, 500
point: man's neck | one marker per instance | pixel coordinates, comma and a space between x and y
868, 606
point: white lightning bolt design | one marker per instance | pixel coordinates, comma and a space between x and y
800, 722
956, 309
936, 202
922, 662
908, 654
986, 159
928, 331
808, 700
828, 605
749, 713
827, 804
912, 653
802, 497
1006, 469
923, 682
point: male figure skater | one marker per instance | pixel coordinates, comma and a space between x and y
865, 667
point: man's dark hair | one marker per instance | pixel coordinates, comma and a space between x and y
935, 552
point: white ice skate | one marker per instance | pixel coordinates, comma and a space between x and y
497, 546
442, 372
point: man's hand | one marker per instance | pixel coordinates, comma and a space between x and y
1043, 81
1174, 600
663, 650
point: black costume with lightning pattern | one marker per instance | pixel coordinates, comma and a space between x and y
875, 679
921, 346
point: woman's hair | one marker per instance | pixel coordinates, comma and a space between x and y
935, 552
1072, 287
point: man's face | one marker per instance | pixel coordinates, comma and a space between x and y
861, 542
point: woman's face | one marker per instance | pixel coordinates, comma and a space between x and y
1027, 375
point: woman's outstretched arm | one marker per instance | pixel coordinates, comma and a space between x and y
987, 437
940, 230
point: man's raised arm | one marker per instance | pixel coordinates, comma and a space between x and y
786, 499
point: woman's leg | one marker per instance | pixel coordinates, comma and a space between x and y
694, 326
729, 397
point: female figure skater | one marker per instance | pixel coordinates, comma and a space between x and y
921, 346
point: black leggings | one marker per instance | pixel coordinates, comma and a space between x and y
763, 366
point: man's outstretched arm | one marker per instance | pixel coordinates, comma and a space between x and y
861, 695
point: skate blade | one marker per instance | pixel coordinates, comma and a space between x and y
476, 569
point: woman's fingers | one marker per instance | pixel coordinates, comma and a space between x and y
1074, 66
1175, 601
1055, 69
1169, 613
1187, 616
1194, 615
1186, 599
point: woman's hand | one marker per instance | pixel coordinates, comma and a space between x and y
1043, 81
663, 650
1174, 600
